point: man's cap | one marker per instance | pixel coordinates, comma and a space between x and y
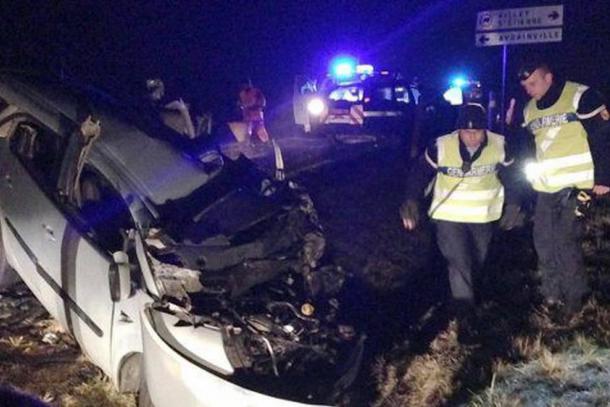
471, 116
530, 65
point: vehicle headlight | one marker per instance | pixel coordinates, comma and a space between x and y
315, 106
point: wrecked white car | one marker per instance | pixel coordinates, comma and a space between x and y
197, 280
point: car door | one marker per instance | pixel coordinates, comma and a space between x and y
16, 255
304, 90
71, 272
93, 234
30, 163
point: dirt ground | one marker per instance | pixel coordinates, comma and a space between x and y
37, 356
396, 295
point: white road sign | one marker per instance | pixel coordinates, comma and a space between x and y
520, 18
487, 39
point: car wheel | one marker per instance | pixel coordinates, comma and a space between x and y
8, 276
143, 395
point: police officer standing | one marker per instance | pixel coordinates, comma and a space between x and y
562, 116
468, 197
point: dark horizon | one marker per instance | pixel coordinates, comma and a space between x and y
205, 50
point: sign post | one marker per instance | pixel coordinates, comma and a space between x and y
527, 25
503, 101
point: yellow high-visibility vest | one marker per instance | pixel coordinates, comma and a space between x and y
475, 196
563, 158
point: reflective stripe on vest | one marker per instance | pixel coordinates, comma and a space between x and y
562, 150
479, 195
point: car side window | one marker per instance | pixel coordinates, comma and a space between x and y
40, 150
103, 210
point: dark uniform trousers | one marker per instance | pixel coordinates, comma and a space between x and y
557, 237
464, 246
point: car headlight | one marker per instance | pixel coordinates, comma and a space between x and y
315, 106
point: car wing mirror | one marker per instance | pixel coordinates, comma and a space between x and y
119, 277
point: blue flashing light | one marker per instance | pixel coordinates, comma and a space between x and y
344, 70
459, 81
343, 67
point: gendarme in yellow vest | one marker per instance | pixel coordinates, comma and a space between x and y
563, 159
479, 195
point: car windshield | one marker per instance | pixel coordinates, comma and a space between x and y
225, 205
351, 93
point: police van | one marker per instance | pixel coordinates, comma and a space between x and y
354, 98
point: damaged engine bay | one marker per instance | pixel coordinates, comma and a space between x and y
251, 261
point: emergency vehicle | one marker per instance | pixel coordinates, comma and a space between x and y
354, 97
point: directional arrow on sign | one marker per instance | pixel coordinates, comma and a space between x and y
524, 18
554, 15
483, 39
536, 35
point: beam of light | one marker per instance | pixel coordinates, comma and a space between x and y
420, 22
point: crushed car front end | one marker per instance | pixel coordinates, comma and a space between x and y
248, 308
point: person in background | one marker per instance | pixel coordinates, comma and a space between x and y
252, 103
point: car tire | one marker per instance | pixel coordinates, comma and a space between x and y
8, 277
143, 395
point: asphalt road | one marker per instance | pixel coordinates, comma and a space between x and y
302, 153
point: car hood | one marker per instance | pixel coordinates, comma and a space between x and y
241, 219
236, 198
249, 257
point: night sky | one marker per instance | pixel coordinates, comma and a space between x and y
205, 49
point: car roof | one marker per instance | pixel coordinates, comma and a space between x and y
124, 150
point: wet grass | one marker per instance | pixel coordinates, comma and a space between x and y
524, 356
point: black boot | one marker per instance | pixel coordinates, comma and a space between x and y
465, 315
556, 312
